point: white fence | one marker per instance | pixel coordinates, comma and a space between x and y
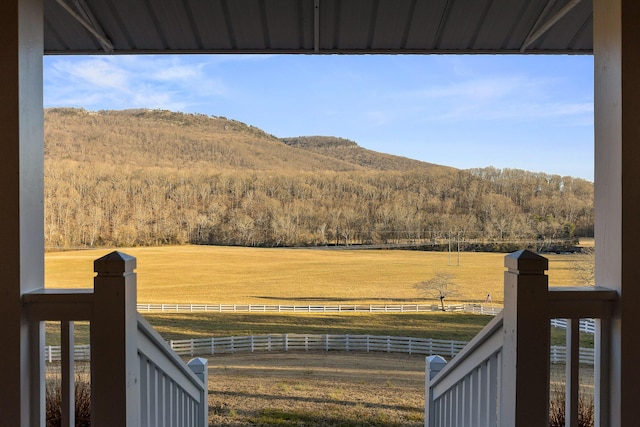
318, 342
586, 325
342, 308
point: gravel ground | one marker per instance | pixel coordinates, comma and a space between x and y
316, 389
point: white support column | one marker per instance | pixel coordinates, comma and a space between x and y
617, 194
21, 202
115, 370
525, 354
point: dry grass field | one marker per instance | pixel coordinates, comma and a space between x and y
305, 389
237, 275
316, 389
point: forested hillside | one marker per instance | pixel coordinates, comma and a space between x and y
141, 177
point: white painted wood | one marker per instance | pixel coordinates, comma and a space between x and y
601, 380
68, 374
21, 202
572, 373
525, 353
617, 201
115, 376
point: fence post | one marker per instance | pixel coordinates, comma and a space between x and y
525, 361
434, 365
199, 366
115, 376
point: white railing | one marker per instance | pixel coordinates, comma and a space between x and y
135, 376
170, 392
340, 308
502, 377
467, 391
318, 342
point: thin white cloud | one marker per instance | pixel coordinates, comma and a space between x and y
130, 82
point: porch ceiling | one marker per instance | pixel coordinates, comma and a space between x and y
318, 26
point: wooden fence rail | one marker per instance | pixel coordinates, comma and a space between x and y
319, 342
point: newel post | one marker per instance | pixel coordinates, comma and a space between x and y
434, 364
200, 367
115, 369
525, 360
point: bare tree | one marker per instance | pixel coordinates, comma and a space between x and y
584, 267
441, 285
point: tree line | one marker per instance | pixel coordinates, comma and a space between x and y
89, 205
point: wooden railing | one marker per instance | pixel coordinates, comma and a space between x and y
136, 379
502, 376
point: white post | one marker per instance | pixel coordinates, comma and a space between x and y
525, 354
434, 364
115, 376
200, 367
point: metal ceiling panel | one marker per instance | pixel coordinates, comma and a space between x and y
210, 22
343, 26
426, 25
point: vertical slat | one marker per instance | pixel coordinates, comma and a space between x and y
601, 379
68, 414
483, 414
494, 380
153, 394
468, 384
37, 377
572, 368
144, 391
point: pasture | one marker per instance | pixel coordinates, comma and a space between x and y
238, 275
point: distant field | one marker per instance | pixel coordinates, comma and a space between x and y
236, 275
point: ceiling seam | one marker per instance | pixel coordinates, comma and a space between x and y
442, 24
580, 31
227, 19
265, 25
300, 27
120, 24
156, 25
372, 23
476, 32
516, 22
192, 24
55, 33
407, 25
336, 24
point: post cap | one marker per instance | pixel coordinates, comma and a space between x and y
115, 263
525, 260
198, 365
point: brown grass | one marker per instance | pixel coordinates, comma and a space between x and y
234, 275
311, 389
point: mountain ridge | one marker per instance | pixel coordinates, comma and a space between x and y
161, 138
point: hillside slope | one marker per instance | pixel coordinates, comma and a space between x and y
157, 138
348, 151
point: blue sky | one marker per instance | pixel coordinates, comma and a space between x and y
526, 112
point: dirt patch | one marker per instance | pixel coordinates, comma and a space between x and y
311, 389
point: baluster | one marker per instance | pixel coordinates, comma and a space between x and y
572, 371
68, 413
